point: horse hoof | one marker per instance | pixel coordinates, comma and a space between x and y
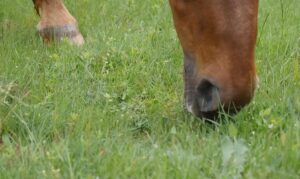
57, 33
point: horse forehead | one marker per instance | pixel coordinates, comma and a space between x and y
205, 13
220, 8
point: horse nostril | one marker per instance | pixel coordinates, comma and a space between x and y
207, 96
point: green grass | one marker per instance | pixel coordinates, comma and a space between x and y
114, 108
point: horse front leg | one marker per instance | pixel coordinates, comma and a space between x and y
56, 22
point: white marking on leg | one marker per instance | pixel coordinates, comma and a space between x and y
189, 108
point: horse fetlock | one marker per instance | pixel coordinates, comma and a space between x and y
57, 33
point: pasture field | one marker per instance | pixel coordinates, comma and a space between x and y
114, 107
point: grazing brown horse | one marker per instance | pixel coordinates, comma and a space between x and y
218, 40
